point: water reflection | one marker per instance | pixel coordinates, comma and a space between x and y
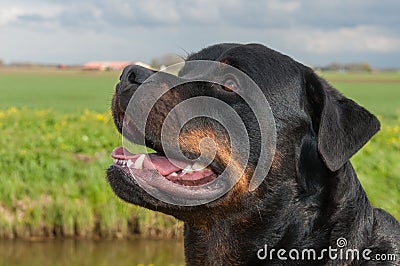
85, 252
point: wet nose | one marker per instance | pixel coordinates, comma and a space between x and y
134, 74
131, 78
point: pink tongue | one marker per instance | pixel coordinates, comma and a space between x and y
151, 161
161, 163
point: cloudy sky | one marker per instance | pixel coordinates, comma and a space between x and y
316, 32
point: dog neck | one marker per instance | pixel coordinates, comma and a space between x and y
235, 238
221, 242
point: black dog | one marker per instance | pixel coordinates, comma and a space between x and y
311, 197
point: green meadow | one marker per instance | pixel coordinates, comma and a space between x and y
57, 134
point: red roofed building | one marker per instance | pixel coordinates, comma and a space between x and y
110, 65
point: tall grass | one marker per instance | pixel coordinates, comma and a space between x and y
53, 179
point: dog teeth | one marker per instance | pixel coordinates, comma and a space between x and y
139, 162
129, 163
195, 167
187, 169
120, 161
198, 166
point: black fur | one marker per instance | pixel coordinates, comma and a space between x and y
311, 196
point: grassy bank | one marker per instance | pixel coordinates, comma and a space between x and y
56, 137
53, 179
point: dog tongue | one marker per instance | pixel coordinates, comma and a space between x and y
150, 161
162, 164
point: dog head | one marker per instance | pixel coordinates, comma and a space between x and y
317, 131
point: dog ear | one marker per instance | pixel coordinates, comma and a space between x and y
342, 126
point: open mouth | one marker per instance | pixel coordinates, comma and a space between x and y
181, 173
169, 180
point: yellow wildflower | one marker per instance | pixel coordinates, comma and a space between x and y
41, 112
12, 110
101, 118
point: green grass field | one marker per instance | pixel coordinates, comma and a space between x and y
378, 92
57, 134
65, 91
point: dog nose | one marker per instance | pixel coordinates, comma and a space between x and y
131, 78
135, 74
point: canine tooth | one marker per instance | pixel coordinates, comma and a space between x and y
198, 166
187, 169
129, 163
139, 162
174, 174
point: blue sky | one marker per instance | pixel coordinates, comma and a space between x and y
315, 32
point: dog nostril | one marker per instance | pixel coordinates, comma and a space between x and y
132, 77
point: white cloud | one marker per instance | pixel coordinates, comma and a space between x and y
201, 12
11, 14
283, 6
160, 11
8, 15
357, 39
314, 31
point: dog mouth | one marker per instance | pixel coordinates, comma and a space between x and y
147, 166
141, 178
168, 180
177, 182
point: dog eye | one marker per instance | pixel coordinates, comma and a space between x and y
230, 85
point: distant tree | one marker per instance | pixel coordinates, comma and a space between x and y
154, 64
165, 60
334, 66
366, 67
359, 67
1, 62
355, 67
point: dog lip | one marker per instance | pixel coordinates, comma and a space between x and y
175, 171
157, 183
